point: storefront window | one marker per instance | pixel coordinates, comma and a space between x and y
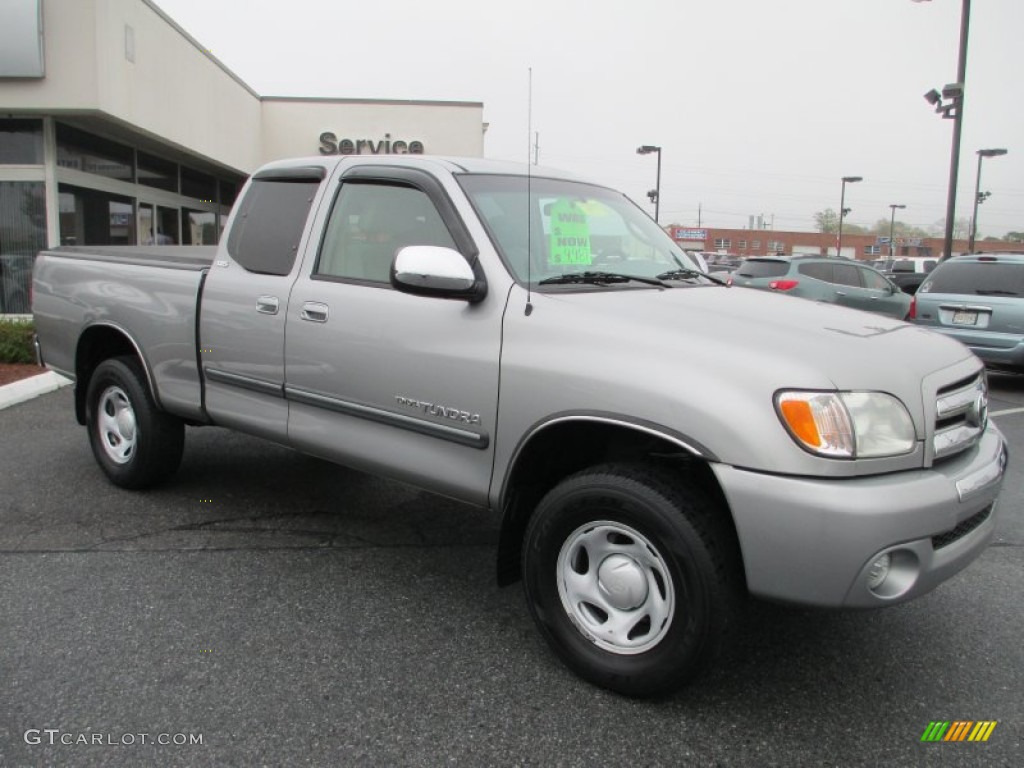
200, 227
21, 142
158, 173
22, 235
199, 185
91, 217
93, 154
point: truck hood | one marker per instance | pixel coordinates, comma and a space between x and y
807, 343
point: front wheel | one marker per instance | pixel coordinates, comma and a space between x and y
632, 578
135, 443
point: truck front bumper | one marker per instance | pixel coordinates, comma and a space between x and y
816, 541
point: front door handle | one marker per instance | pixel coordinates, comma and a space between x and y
840, 293
314, 312
268, 305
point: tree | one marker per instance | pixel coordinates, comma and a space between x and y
1015, 237
826, 221
961, 228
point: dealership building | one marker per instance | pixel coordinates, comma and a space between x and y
118, 128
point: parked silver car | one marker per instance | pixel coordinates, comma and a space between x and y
978, 299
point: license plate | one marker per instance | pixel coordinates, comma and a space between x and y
965, 317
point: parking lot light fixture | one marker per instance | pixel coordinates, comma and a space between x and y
654, 194
953, 108
982, 154
843, 210
892, 221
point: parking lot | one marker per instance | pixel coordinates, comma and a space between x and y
284, 610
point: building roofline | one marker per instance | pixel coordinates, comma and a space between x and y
199, 46
315, 99
396, 102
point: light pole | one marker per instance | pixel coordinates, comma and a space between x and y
982, 153
654, 194
953, 109
892, 222
843, 209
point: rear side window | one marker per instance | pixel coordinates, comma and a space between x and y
757, 268
846, 274
977, 278
266, 230
817, 270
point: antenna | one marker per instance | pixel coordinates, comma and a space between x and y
529, 202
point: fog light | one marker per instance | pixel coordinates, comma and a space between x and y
878, 571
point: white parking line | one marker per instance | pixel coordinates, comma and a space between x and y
1007, 412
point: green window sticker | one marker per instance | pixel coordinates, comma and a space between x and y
570, 234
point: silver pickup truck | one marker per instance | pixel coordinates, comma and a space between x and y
538, 346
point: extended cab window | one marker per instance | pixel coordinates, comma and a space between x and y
368, 225
266, 230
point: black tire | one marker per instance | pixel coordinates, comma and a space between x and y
135, 443
685, 552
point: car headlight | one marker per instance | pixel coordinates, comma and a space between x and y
847, 425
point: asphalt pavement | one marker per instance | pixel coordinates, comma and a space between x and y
279, 610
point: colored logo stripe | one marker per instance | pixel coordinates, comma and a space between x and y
959, 730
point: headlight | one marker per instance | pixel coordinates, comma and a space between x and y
847, 425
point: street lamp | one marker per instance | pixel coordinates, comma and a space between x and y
654, 194
953, 109
843, 210
982, 153
892, 221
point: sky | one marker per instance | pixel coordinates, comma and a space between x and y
760, 106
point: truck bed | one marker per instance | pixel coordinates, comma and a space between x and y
194, 257
149, 293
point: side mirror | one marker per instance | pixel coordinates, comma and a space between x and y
429, 270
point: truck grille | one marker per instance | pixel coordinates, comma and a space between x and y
948, 537
961, 415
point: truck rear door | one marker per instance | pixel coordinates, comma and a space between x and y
382, 380
242, 317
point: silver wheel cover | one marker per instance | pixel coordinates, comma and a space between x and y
615, 587
115, 422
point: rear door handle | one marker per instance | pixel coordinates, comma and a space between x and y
314, 312
840, 293
268, 305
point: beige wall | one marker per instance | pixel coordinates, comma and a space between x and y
173, 89
292, 127
180, 95
69, 51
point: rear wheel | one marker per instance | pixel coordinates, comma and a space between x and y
632, 578
135, 443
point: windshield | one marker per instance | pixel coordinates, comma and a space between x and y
565, 227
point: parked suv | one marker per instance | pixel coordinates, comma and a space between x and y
829, 279
978, 299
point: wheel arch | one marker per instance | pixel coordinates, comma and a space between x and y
99, 342
567, 443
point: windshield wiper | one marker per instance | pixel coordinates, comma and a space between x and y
689, 274
601, 277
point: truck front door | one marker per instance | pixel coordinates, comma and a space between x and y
381, 380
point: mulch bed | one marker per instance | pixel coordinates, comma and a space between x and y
10, 372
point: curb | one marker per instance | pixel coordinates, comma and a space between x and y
33, 386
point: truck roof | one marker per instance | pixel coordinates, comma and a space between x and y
455, 165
